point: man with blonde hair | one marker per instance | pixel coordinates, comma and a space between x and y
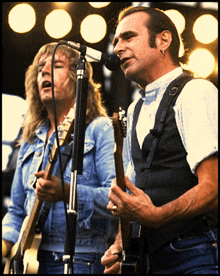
93, 219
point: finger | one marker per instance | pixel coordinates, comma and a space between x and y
116, 191
45, 184
114, 199
45, 196
110, 208
114, 269
39, 174
39, 188
113, 252
110, 205
109, 260
111, 263
130, 186
40, 195
39, 185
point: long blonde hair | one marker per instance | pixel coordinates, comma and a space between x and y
36, 112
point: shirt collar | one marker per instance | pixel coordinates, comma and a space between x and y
41, 132
152, 90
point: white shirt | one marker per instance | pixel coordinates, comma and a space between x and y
195, 114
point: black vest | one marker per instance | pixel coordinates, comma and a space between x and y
167, 179
170, 175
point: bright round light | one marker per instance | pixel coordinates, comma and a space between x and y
99, 4
177, 18
93, 28
58, 23
181, 50
205, 29
22, 18
201, 62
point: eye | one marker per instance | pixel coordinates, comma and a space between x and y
58, 65
129, 35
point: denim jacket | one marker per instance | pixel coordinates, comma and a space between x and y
95, 223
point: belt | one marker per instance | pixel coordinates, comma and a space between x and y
158, 237
191, 234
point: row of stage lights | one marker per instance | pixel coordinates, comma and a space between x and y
58, 23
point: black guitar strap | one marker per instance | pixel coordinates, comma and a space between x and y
168, 100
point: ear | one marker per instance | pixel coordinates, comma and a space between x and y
163, 40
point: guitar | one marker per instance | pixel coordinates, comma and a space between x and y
133, 260
23, 255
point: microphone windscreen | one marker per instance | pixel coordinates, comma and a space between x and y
112, 62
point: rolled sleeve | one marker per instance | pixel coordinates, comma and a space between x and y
196, 117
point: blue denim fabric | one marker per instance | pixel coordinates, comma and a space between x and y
193, 255
94, 221
52, 263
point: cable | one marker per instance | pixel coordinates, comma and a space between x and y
56, 131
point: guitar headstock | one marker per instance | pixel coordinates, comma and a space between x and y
66, 128
119, 121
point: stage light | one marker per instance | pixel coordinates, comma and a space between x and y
93, 28
22, 18
99, 4
201, 62
205, 29
179, 21
58, 23
177, 18
182, 49
61, 4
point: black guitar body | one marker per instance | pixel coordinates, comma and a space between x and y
135, 260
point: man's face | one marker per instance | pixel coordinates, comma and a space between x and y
131, 44
61, 78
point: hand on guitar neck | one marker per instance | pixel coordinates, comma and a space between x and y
115, 254
119, 258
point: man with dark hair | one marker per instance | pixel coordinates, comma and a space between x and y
175, 196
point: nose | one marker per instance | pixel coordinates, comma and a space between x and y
119, 47
46, 69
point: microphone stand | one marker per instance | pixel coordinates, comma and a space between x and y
77, 164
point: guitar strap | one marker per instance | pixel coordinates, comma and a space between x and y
168, 100
66, 155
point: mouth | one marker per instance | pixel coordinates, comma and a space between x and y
46, 84
124, 60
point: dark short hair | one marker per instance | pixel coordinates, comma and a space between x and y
158, 22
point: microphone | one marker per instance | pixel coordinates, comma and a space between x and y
112, 62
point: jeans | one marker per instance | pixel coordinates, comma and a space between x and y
85, 263
191, 255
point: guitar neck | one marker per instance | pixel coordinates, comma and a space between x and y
124, 224
119, 169
128, 266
